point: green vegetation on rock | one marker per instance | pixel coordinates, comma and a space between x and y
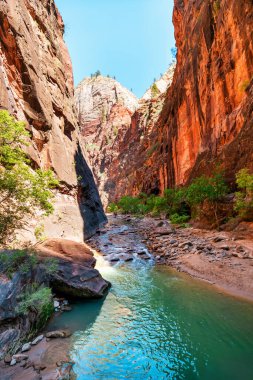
22, 190
40, 300
154, 90
179, 204
244, 197
25, 261
17, 260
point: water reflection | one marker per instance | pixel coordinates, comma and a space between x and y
155, 324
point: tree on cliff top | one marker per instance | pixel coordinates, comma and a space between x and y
22, 190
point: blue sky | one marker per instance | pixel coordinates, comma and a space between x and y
128, 39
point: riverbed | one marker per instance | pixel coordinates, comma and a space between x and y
156, 323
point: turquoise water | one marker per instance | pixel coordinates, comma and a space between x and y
157, 324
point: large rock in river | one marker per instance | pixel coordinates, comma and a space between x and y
75, 275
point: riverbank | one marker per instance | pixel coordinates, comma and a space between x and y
223, 259
135, 256
155, 323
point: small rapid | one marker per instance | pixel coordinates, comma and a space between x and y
156, 323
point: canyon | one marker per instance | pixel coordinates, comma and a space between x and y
204, 118
102, 143
109, 116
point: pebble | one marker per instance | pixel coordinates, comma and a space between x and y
26, 347
20, 357
56, 304
37, 340
225, 247
217, 239
7, 359
13, 362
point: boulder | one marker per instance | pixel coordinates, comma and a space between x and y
75, 275
7, 338
67, 250
58, 334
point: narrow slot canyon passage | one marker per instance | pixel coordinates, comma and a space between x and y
126, 190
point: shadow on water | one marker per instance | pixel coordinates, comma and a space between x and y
89, 201
83, 314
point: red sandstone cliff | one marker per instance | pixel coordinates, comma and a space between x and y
206, 116
36, 85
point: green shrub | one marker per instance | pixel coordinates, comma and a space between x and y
18, 260
179, 203
175, 199
129, 205
22, 190
39, 232
179, 219
206, 188
154, 90
39, 300
112, 207
24, 261
244, 197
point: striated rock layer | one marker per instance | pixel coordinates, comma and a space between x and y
205, 118
36, 85
105, 109
110, 116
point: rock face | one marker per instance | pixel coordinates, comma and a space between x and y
36, 85
109, 116
206, 116
140, 144
105, 109
75, 276
15, 326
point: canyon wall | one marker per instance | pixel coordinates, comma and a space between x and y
105, 109
36, 85
203, 119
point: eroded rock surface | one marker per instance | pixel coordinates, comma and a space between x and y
75, 276
205, 117
109, 116
36, 85
105, 109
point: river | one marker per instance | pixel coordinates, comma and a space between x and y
156, 323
